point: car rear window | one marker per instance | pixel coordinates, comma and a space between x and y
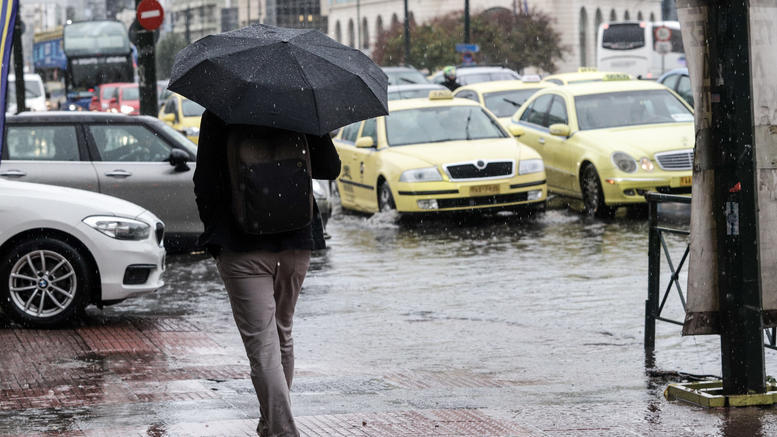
130, 93
42, 143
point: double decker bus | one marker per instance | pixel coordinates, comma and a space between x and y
643, 49
96, 52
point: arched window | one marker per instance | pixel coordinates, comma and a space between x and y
613, 17
394, 20
338, 32
639, 16
378, 27
597, 22
652, 17
583, 40
351, 34
626, 16
365, 35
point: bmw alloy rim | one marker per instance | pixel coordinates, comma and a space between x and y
42, 283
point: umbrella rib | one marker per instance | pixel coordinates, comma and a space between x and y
341, 68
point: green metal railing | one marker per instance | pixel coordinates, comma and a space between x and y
654, 305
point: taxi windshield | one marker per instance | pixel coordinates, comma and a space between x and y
630, 108
505, 103
191, 109
439, 124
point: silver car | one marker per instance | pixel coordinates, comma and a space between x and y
138, 158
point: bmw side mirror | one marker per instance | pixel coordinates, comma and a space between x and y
178, 159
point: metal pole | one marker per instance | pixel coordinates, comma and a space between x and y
147, 71
187, 22
736, 201
18, 57
407, 35
466, 21
654, 276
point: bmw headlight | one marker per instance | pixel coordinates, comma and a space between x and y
126, 109
624, 162
527, 166
421, 175
191, 131
119, 228
646, 164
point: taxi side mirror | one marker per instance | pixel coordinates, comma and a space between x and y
559, 130
365, 143
167, 118
515, 130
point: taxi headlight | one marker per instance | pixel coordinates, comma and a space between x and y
646, 164
624, 162
119, 228
191, 131
421, 175
527, 166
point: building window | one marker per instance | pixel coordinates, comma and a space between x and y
365, 35
583, 41
597, 22
613, 16
338, 32
639, 16
652, 17
626, 16
378, 27
351, 34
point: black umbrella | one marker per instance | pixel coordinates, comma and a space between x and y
296, 79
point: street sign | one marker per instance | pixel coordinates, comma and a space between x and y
463, 48
663, 47
150, 14
466, 58
662, 33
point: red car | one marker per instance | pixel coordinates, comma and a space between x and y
124, 98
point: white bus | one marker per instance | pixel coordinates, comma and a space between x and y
644, 49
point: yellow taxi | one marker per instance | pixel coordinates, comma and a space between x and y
609, 142
502, 97
182, 115
436, 154
585, 75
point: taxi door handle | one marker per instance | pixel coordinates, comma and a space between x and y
541, 140
13, 173
118, 174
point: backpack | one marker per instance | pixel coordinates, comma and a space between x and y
270, 179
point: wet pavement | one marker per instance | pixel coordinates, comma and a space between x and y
501, 326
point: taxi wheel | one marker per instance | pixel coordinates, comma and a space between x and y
44, 282
385, 198
593, 196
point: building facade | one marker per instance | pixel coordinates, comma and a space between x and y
358, 22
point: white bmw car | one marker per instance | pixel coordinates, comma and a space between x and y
62, 249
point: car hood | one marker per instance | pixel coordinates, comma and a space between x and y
644, 140
53, 197
460, 151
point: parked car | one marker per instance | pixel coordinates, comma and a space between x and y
586, 75
125, 98
403, 75
412, 91
62, 249
101, 101
469, 74
34, 93
609, 142
502, 97
678, 81
436, 154
183, 115
139, 159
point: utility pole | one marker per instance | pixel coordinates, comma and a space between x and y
18, 57
466, 21
736, 198
407, 35
146, 70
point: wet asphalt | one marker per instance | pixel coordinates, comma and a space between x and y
536, 319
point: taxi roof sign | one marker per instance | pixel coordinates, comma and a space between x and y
530, 78
440, 95
587, 70
616, 76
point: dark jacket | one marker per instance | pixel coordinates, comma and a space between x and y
212, 192
451, 84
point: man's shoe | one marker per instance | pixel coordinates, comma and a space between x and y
262, 430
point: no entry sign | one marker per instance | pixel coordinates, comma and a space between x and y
150, 14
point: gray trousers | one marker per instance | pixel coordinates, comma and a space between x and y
263, 288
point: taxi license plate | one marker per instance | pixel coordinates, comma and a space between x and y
685, 181
484, 190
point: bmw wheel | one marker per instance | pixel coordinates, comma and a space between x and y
593, 196
44, 282
385, 198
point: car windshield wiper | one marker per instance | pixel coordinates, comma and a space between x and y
404, 79
512, 102
466, 127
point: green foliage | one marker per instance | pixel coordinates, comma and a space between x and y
166, 49
515, 41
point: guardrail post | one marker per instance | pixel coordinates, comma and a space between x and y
654, 276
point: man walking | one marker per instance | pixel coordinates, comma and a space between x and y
261, 223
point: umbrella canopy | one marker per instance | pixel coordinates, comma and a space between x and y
295, 79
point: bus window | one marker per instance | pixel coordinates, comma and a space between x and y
623, 36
